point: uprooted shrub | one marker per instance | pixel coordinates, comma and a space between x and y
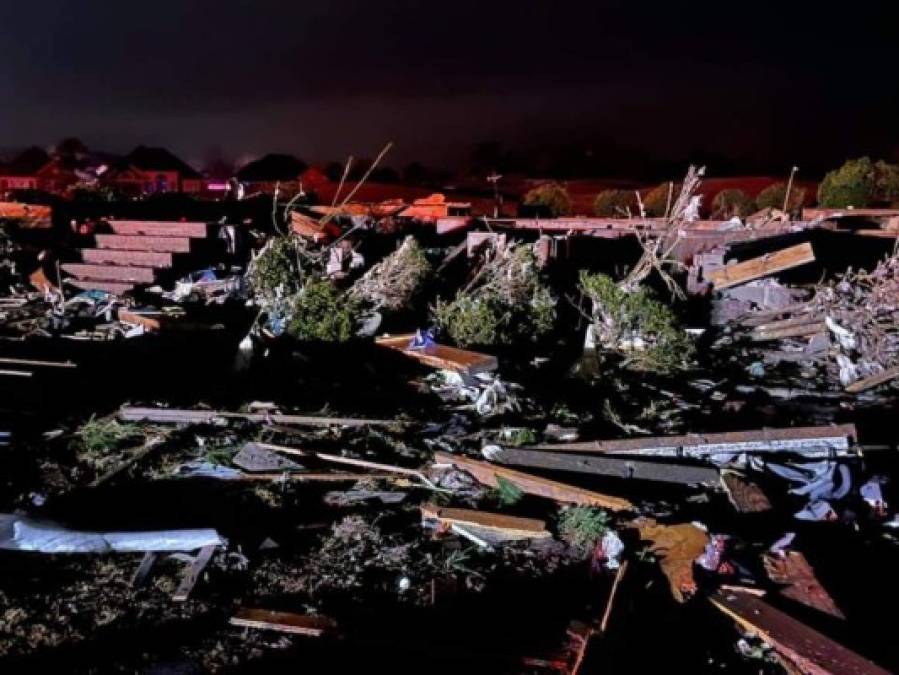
508, 303
322, 313
636, 325
615, 204
276, 272
394, 282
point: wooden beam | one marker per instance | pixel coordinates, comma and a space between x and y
617, 467
193, 572
487, 474
806, 648
873, 380
510, 527
181, 416
822, 441
143, 570
5, 360
441, 357
284, 622
756, 268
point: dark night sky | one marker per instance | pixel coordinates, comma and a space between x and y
764, 83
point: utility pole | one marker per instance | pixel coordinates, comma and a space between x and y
497, 199
789, 188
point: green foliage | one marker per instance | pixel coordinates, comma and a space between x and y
276, 271
519, 436
321, 313
853, 184
656, 201
732, 202
510, 305
620, 317
506, 492
583, 526
886, 178
615, 204
772, 197
101, 435
551, 197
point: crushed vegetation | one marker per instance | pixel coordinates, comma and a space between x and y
322, 313
395, 281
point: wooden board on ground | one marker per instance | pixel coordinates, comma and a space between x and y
487, 474
181, 416
873, 381
509, 527
285, 622
756, 268
800, 583
442, 357
193, 572
616, 467
809, 650
29, 216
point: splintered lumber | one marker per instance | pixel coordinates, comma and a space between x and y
143, 570
677, 547
193, 572
874, 380
180, 416
509, 527
285, 622
806, 648
5, 360
756, 268
487, 474
773, 332
319, 477
441, 357
793, 570
617, 467
817, 442
606, 615
337, 459
746, 496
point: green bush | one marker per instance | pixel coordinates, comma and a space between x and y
551, 197
615, 204
276, 271
321, 313
510, 305
772, 197
621, 317
583, 526
732, 202
853, 184
887, 183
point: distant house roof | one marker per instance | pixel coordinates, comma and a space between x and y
158, 159
271, 168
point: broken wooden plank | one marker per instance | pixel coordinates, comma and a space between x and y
509, 527
284, 622
802, 330
313, 477
606, 615
5, 360
487, 474
756, 268
193, 572
677, 547
143, 570
16, 373
180, 416
809, 650
793, 570
873, 380
617, 467
823, 441
255, 459
442, 357
746, 496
